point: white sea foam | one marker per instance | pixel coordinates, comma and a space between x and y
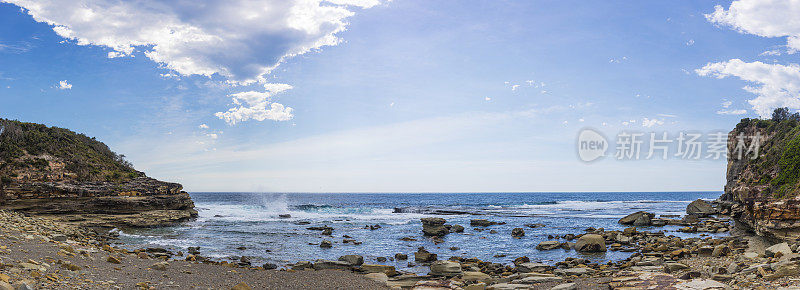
591, 209
269, 212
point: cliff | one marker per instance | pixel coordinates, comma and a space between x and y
761, 193
69, 176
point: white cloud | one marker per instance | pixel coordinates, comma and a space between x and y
690, 42
213, 136
487, 99
771, 52
774, 85
727, 111
64, 85
257, 106
732, 112
767, 18
203, 126
238, 39
648, 123
514, 87
618, 60
667, 115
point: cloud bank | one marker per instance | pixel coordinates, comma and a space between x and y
240, 40
774, 85
767, 18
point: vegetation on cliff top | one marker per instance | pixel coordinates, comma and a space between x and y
778, 163
28, 146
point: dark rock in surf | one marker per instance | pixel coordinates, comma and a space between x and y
434, 227
639, 215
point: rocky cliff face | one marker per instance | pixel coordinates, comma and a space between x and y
56, 172
761, 193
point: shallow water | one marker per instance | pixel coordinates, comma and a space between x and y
231, 220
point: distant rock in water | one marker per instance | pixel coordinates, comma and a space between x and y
54, 171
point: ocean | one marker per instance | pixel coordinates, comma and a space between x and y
233, 224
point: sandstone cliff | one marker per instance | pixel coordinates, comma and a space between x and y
761, 193
72, 177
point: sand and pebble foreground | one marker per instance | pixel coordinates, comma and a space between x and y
37, 253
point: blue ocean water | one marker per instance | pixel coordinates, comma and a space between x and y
230, 220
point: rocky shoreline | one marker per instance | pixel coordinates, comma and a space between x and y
657, 260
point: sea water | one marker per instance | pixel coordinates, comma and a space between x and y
233, 224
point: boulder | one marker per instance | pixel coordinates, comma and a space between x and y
423, 256
701, 208
632, 218
302, 265
354, 260
400, 257
720, 250
573, 271
517, 232
672, 267
642, 220
457, 229
782, 248
445, 268
325, 244
474, 276
377, 277
269, 266
434, 227
590, 243
331, 265
160, 266
533, 267
548, 245
690, 219
482, 223
373, 268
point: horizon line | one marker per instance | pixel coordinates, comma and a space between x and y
452, 192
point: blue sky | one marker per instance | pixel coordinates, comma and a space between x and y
399, 96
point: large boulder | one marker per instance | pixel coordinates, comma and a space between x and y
434, 227
639, 215
445, 268
591, 243
701, 208
354, 260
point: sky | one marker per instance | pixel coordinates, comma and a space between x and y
402, 95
